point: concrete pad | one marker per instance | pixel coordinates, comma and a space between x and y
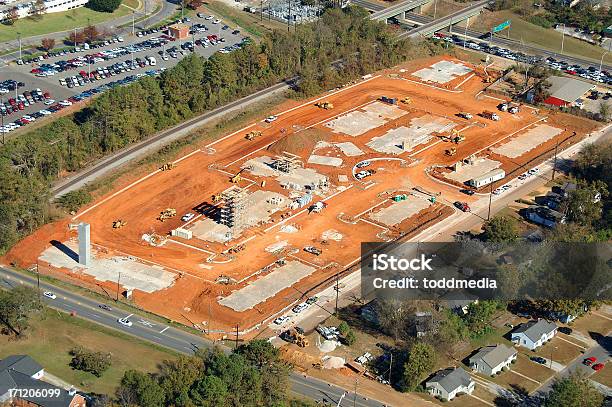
369, 117
527, 141
442, 72
400, 211
261, 166
209, 230
349, 149
267, 287
342, 178
323, 160
134, 274
299, 178
384, 110
466, 172
260, 206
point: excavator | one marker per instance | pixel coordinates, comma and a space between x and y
118, 224
252, 135
295, 335
325, 105
237, 178
451, 151
167, 214
217, 198
406, 100
167, 166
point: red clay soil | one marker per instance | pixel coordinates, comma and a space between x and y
193, 298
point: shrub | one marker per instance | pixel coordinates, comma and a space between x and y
105, 6
73, 200
343, 328
95, 363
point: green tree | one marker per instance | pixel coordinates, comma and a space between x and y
501, 229
95, 363
604, 111
573, 391
210, 391
584, 205
73, 200
343, 328
105, 6
350, 338
479, 316
421, 360
16, 308
176, 377
139, 389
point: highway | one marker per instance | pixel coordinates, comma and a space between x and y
532, 49
166, 336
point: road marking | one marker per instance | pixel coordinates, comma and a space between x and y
484, 401
229, 135
164, 330
146, 323
249, 154
601, 315
370, 208
465, 80
190, 246
575, 344
128, 316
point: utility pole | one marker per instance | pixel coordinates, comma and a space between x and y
562, 37
390, 368
133, 23
37, 277
355, 393
75, 37
118, 280
261, 10
289, 18
19, 39
555, 162
236, 346
337, 292
490, 199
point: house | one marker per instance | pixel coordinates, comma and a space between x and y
544, 216
448, 383
458, 301
534, 334
23, 372
492, 359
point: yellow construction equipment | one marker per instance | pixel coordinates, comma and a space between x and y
325, 105
216, 198
296, 336
118, 224
167, 214
458, 139
237, 248
237, 178
406, 100
167, 166
451, 151
253, 134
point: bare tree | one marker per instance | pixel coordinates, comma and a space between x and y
47, 44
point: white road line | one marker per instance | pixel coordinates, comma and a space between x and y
229, 135
186, 156
341, 113
370, 208
164, 330
601, 315
129, 316
434, 87
190, 246
465, 80
373, 224
249, 154
424, 148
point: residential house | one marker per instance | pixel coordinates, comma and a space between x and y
493, 359
534, 334
448, 383
458, 301
23, 372
544, 216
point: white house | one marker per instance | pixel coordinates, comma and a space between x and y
50, 6
492, 359
448, 383
534, 334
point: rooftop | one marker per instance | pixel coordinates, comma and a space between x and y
568, 89
451, 378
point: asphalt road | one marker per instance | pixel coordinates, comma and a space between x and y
163, 335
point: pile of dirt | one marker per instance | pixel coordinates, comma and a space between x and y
298, 358
300, 143
333, 362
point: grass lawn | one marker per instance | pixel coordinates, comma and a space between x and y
532, 34
561, 351
526, 367
54, 334
604, 376
592, 323
531, 369
54, 22
252, 23
133, 4
496, 336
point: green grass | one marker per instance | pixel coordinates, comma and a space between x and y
55, 22
53, 334
532, 34
252, 23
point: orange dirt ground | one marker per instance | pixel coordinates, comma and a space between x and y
193, 298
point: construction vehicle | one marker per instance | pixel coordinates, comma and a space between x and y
167, 214
391, 101
317, 207
465, 115
167, 166
325, 105
399, 198
253, 134
237, 178
237, 249
217, 198
514, 109
503, 107
312, 250
451, 151
295, 335
118, 224
463, 206
490, 115
406, 100
458, 139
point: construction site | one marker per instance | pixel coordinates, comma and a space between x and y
236, 231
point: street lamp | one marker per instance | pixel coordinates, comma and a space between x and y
601, 61
19, 39
562, 37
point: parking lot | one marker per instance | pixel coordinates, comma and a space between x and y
70, 77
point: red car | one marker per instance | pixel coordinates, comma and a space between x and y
589, 361
598, 367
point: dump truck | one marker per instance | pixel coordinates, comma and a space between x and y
399, 198
451, 151
167, 214
325, 105
490, 115
466, 115
253, 134
406, 100
118, 224
167, 166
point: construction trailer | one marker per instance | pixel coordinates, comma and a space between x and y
391, 101
487, 178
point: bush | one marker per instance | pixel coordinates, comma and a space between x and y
105, 6
350, 337
73, 200
541, 20
343, 328
95, 363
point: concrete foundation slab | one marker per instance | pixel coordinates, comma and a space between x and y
466, 172
209, 230
301, 178
399, 211
369, 117
442, 72
349, 149
135, 275
267, 287
527, 141
323, 160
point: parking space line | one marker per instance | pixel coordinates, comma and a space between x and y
164, 330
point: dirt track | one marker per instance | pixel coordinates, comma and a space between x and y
189, 187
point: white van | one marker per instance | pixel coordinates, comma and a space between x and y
152, 61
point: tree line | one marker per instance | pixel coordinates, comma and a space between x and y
30, 162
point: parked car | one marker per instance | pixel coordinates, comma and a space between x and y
299, 308
538, 359
281, 320
598, 367
270, 119
589, 361
105, 307
187, 217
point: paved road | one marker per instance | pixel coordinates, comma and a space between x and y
532, 49
169, 337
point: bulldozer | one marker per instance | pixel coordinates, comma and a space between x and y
406, 100
167, 214
451, 151
252, 135
118, 224
294, 336
237, 178
217, 198
237, 248
167, 166
458, 139
325, 105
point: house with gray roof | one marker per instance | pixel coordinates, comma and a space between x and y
22, 364
493, 359
534, 334
448, 383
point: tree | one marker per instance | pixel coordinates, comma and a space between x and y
393, 316
95, 363
37, 9
584, 205
139, 389
105, 6
573, 391
604, 111
91, 33
350, 337
73, 200
343, 328
210, 391
421, 360
501, 229
11, 16
177, 376
47, 44
16, 308
479, 315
